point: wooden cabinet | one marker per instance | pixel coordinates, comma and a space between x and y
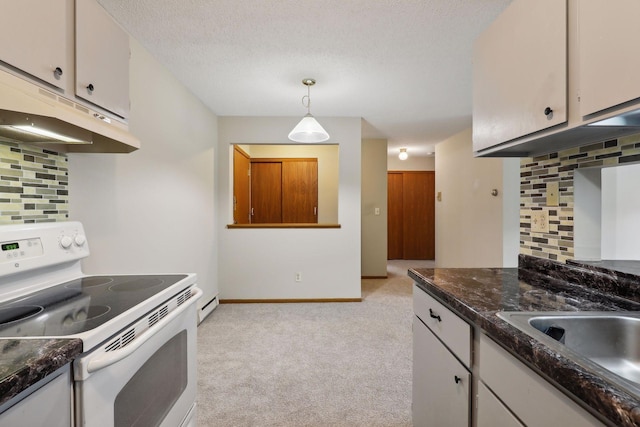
526, 394
284, 191
102, 59
520, 73
608, 34
441, 360
33, 38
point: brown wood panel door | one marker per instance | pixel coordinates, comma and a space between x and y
394, 216
300, 191
266, 192
411, 215
241, 187
418, 215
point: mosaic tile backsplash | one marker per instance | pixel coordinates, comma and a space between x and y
34, 184
537, 172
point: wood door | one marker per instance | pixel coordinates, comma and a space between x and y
266, 192
300, 191
418, 210
394, 216
411, 215
241, 187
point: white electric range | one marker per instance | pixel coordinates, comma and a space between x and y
138, 332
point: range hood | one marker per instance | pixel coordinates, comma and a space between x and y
34, 115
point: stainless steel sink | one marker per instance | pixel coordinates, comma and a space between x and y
609, 339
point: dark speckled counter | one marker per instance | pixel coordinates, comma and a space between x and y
478, 294
24, 362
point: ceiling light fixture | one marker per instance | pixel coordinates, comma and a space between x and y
403, 154
308, 130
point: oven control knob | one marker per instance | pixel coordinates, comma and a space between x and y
81, 315
68, 320
66, 242
80, 239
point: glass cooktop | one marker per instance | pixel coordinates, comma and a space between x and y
78, 305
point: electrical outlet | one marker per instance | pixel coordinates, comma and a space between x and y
376, 211
298, 277
540, 221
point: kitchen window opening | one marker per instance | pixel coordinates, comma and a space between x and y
284, 186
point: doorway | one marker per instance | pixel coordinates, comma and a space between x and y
411, 215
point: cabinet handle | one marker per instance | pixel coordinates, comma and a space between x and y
434, 316
251, 211
548, 111
90, 88
457, 379
57, 72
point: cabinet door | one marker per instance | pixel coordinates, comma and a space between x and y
102, 59
300, 191
49, 405
33, 37
441, 385
266, 192
491, 412
608, 39
520, 70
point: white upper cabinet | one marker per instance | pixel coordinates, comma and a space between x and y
33, 38
608, 43
520, 73
102, 59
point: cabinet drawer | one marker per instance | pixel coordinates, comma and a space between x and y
534, 400
446, 325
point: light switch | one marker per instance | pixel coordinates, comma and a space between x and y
553, 196
376, 211
439, 197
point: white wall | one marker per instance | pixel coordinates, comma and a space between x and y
374, 195
620, 207
261, 263
587, 213
413, 163
471, 227
152, 211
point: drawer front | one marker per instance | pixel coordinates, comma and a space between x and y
534, 400
454, 332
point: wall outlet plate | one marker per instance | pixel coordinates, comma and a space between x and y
553, 196
540, 221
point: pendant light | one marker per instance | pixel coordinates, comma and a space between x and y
403, 154
308, 130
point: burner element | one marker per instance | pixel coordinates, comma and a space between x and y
90, 282
21, 312
136, 284
94, 311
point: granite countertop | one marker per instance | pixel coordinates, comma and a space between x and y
478, 294
24, 362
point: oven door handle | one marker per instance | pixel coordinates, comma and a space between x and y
94, 364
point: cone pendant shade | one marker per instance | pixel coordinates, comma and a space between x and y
308, 130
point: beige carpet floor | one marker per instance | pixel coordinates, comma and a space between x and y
311, 364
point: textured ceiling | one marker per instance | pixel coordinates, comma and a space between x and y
404, 66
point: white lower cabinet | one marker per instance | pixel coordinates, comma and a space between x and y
530, 397
492, 412
441, 384
47, 403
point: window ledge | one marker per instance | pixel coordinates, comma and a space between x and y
284, 225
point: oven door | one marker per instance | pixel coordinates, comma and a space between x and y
151, 381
